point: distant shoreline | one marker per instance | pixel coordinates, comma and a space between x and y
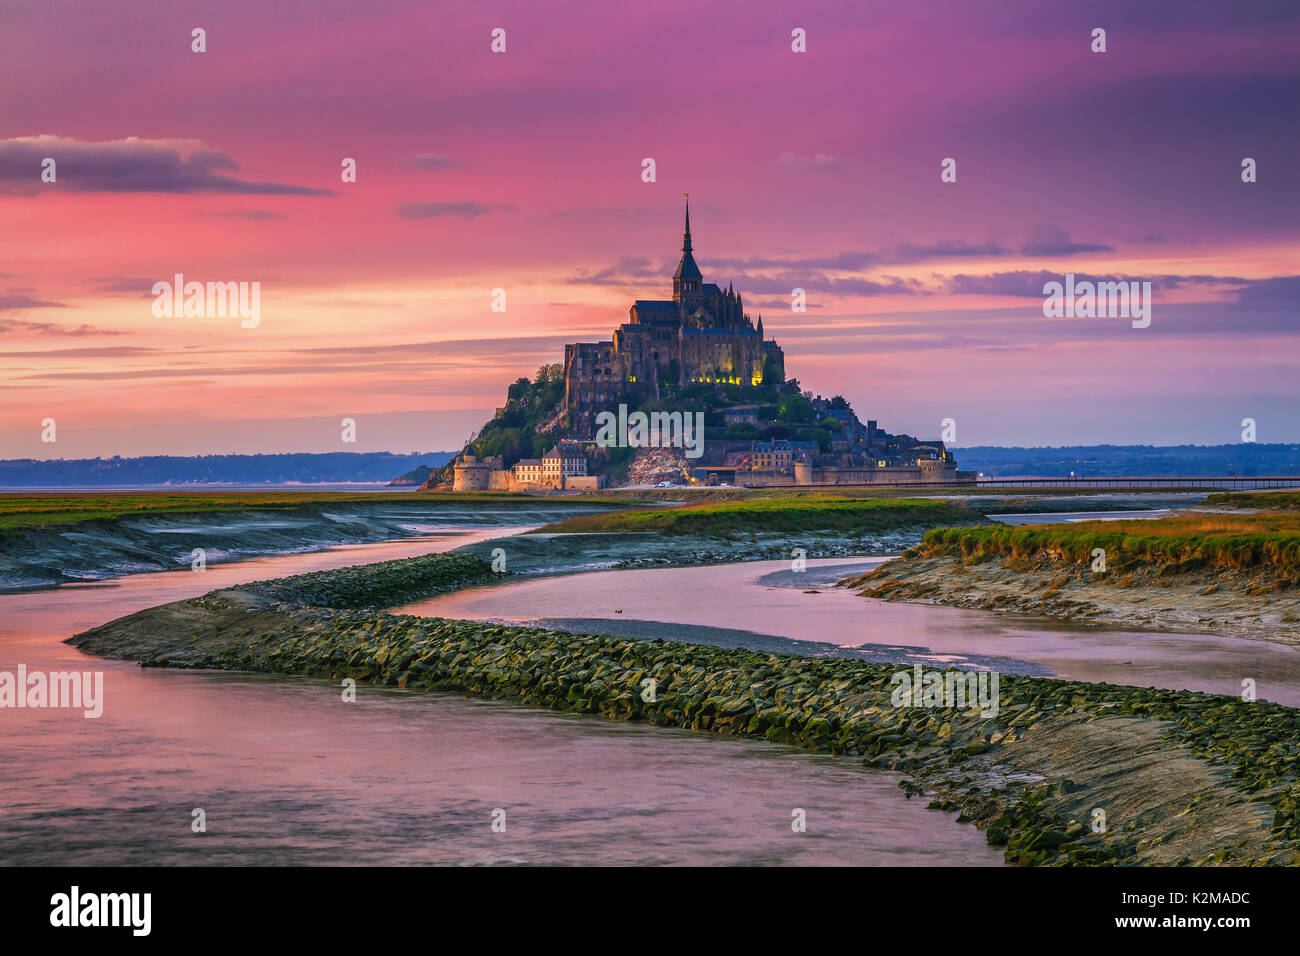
384, 486
343, 468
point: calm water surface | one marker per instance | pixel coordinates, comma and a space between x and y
764, 605
288, 773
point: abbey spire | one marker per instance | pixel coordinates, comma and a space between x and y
699, 336
687, 278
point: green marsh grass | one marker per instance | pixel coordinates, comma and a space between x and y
1181, 543
803, 513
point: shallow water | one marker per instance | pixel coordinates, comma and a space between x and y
286, 772
1058, 517
765, 605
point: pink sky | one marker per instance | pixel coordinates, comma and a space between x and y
522, 171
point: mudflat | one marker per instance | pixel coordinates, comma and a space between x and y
1060, 773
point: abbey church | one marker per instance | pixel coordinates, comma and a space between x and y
701, 334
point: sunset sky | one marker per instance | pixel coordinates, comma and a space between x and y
522, 170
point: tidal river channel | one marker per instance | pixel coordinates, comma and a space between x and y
285, 772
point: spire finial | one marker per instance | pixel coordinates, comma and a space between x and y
686, 236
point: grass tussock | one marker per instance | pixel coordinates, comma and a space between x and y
786, 514
1177, 545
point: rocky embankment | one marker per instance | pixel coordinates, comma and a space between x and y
1178, 777
1248, 602
649, 466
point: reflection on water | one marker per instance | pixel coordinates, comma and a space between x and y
1073, 517
288, 773
766, 599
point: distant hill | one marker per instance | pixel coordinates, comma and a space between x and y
1104, 461
214, 469
416, 476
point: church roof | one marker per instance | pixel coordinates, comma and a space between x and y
717, 331
782, 444
687, 269
655, 305
567, 452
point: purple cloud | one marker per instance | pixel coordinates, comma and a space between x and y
127, 166
1054, 241
433, 161
12, 301
432, 210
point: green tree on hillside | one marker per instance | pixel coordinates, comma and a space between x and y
513, 433
770, 374
795, 408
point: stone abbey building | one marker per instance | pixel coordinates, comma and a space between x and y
702, 334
